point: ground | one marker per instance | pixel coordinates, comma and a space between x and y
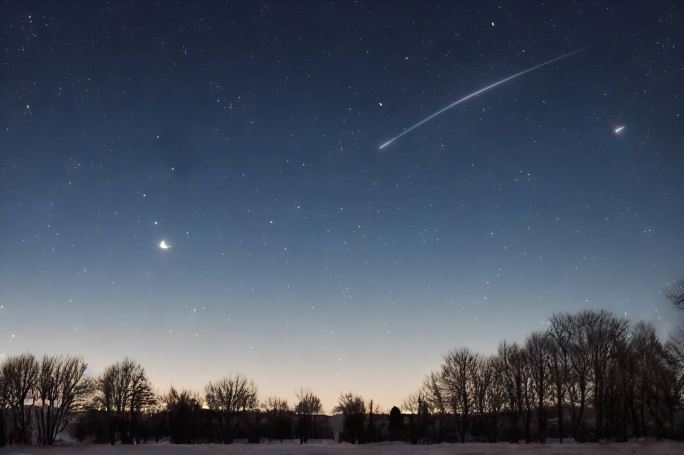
631, 448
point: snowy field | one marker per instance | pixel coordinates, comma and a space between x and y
636, 448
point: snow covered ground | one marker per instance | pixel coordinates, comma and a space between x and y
631, 448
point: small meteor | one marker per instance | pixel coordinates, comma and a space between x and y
478, 92
164, 246
619, 129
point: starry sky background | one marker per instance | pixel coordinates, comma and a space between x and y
246, 135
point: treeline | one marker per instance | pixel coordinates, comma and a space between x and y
39, 399
588, 376
228, 411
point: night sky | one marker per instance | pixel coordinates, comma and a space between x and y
246, 134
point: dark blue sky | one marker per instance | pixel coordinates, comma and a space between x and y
246, 134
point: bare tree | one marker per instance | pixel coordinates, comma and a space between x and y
580, 360
675, 348
183, 409
60, 388
537, 354
307, 408
278, 418
433, 392
123, 392
308, 403
675, 353
415, 403
482, 380
275, 404
559, 365
373, 410
3, 405
515, 376
418, 408
458, 371
657, 379
495, 397
229, 397
19, 375
604, 333
483, 377
353, 408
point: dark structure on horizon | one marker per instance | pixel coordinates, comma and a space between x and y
590, 376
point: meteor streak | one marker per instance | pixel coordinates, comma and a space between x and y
474, 94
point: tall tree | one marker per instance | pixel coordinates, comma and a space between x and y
123, 392
307, 408
515, 376
278, 418
559, 365
580, 360
3, 406
229, 397
537, 354
396, 422
483, 378
605, 334
184, 411
418, 409
19, 375
458, 372
353, 408
435, 398
60, 388
495, 398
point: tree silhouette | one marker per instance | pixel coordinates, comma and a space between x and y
184, 413
592, 373
435, 401
123, 392
537, 350
373, 410
19, 375
278, 418
396, 422
60, 388
353, 408
581, 363
458, 371
484, 395
229, 397
418, 408
559, 365
307, 408
674, 349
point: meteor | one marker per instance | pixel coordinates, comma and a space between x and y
482, 90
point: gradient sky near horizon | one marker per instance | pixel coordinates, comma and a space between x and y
245, 134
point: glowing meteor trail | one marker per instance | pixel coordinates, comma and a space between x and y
474, 94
